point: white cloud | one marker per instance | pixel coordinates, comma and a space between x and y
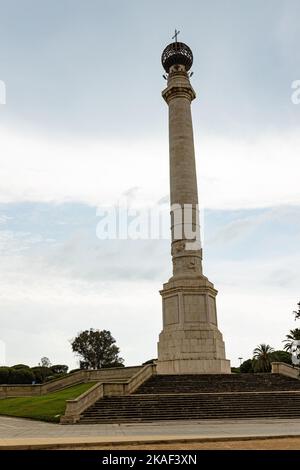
42, 309
248, 317
232, 173
44, 305
46, 300
47, 296
244, 174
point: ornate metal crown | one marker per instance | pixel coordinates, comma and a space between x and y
177, 53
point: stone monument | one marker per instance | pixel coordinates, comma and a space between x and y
190, 342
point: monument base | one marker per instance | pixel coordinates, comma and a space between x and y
194, 366
190, 342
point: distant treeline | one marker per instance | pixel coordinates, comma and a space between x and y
23, 374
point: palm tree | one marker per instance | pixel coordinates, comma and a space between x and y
297, 312
294, 335
262, 358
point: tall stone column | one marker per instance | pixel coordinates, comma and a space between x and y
190, 341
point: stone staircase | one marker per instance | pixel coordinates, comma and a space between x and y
172, 397
218, 383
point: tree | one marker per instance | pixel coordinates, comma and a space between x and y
21, 376
4, 374
246, 367
41, 373
281, 356
294, 335
97, 349
59, 369
16, 375
45, 362
297, 312
84, 365
262, 358
21, 366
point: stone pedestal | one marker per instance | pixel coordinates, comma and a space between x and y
190, 342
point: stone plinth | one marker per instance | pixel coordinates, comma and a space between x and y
190, 342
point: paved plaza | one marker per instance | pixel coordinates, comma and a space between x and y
23, 432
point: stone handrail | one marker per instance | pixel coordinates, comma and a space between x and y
74, 408
41, 389
285, 369
58, 384
140, 377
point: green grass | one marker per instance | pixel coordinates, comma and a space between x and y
45, 407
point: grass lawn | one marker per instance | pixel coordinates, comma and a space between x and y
45, 407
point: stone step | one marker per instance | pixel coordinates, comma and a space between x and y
135, 408
217, 383
201, 397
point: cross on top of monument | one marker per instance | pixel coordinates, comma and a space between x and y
175, 35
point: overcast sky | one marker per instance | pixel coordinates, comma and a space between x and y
84, 125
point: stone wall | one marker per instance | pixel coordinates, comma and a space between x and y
75, 407
82, 376
285, 369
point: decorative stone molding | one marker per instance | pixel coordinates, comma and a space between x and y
179, 92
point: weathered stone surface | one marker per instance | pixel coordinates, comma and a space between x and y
190, 341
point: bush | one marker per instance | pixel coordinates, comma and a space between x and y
4, 375
84, 365
21, 376
50, 377
59, 369
20, 366
247, 367
112, 365
282, 356
41, 373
